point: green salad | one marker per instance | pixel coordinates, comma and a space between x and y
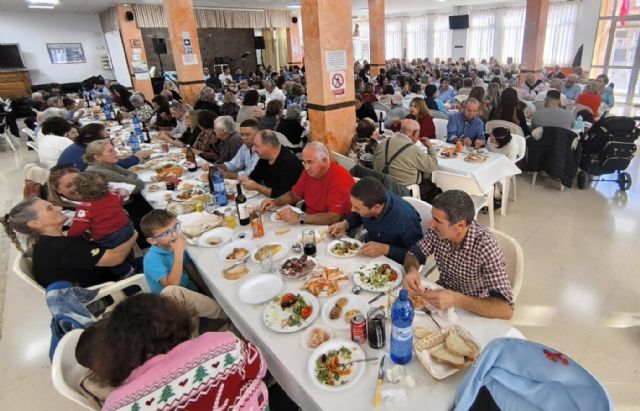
331, 368
378, 276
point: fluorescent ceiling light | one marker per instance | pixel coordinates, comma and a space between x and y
33, 6
293, 6
39, 2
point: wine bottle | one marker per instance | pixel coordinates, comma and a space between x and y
192, 164
380, 122
241, 203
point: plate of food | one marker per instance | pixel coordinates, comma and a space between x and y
446, 352
339, 310
378, 277
156, 187
204, 177
297, 268
315, 336
168, 173
160, 196
259, 289
344, 247
216, 237
278, 250
475, 158
189, 185
326, 281
448, 153
186, 195
237, 251
291, 312
331, 368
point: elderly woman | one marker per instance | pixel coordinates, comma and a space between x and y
271, 116
141, 108
229, 106
290, 125
297, 96
607, 90
103, 158
223, 144
249, 108
57, 134
364, 143
55, 256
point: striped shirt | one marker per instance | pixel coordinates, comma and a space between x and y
476, 268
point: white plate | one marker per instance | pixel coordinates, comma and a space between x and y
243, 235
334, 242
283, 251
147, 176
160, 196
224, 233
177, 193
192, 182
259, 289
436, 143
368, 268
355, 302
286, 277
228, 248
304, 340
273, 314
336, 344
274, 217
250, 193
160, 186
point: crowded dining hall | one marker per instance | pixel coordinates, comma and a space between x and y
320, 205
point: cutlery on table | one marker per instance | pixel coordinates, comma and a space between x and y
377, 398
430, 314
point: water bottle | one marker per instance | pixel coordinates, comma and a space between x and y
216, 180
580, 123
401, 329
107, 110
137, 127
134, 142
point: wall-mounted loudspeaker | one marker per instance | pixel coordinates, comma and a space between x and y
259, 43
294, 19
159, 46
129, 15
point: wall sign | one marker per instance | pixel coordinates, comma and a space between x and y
337, 83
186, 41
336, 60
135, 43
66, 53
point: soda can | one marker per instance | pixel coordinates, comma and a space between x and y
359, 329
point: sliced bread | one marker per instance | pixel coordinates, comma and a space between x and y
443, 356
457, 345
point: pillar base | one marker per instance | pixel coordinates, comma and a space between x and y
333, 125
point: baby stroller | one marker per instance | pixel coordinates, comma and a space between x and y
608, 147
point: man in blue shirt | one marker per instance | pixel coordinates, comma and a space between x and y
392, 224
466, 125
245, 160
445, 92
571, 88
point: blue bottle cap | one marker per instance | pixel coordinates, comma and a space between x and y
404, 294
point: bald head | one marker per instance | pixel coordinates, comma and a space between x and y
411, 129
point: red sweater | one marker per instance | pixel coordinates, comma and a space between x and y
590, 100
102, 217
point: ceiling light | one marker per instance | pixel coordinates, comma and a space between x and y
40, 2
34, 6
294, 6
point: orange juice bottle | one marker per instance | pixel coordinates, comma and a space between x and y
459, 146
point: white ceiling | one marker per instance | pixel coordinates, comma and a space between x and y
393, 7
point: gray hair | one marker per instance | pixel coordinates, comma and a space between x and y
269, 137
471, 100
51, 112
321, 150
572, 77
207, 92
456, 205
93, 149
178, 106
136, 98
225, 123
52, 101
36, 95
17, 220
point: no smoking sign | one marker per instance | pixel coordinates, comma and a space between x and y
337, 83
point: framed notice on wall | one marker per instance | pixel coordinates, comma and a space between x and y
66, 53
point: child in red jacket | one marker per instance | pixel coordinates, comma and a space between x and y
102, 215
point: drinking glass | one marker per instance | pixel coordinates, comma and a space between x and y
309, 242
210, 206
266, 264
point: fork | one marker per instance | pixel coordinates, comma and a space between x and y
348, 363
430, 314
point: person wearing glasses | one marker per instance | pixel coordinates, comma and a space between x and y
167, 262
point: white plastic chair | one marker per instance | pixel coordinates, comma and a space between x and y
344, 161
438, 114
513, 128
33, 146
449, 181
577, 108
539, 104
5, 134
67, 373
424, 210
414, 189
461, 98
378, 106
30, 134
514, 259
529, 106
521, 144
441, 128
285, 141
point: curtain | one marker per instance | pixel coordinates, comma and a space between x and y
393, 38
441, 37
275, 48
109, 20
512, 33
149, 15
361, 48
561, 27
481, 34
416, 29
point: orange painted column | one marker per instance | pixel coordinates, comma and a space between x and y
134, 51
294, 51
328, 56
185, 47
376, 36
535, 26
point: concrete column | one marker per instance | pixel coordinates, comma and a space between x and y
328, 55
294, 49
181, 23
535, 26
376, 36
134, 50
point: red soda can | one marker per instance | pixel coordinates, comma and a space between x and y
359, 329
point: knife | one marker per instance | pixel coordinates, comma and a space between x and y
377, 399
376, 297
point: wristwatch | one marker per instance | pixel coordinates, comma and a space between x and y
302, 217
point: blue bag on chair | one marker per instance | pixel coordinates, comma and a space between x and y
67, 306
526, 376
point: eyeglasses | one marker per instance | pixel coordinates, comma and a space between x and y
168, 232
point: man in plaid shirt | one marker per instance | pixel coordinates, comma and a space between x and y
469, 259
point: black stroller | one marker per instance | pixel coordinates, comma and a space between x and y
608, 147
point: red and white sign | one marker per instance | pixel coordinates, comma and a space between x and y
337, 81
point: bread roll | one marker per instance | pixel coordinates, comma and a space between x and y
457, 345
442, 355
235, 273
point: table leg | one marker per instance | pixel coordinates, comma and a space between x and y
506, 182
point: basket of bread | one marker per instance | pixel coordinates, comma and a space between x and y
445, 352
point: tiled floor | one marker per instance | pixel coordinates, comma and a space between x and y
581, 290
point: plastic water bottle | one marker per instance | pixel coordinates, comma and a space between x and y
137, 127
402, 329
134, 142
580, 123
107, 110
216, 181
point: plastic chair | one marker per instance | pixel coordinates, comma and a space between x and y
438, 114
5, 133
344, 161
32, 145
577, 108
378, 106
441, 128
30, 134
449, 181
66, 372
513, 128
539, 104
461, 98
283, 140
424, 210
414, 189
521, 144
529, 106
513, 257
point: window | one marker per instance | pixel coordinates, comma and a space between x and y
416, 37
393, 37
481, 34
441, 37
512, 33
561, 27
361, 43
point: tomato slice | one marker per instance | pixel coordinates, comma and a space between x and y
306, 312
393, 276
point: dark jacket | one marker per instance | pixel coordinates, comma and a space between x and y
554, 154
291, 129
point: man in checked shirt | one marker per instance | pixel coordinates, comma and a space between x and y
469, 259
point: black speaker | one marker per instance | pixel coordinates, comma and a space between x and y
294, 19
159, 46
218, 60
259, 43
129, 15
